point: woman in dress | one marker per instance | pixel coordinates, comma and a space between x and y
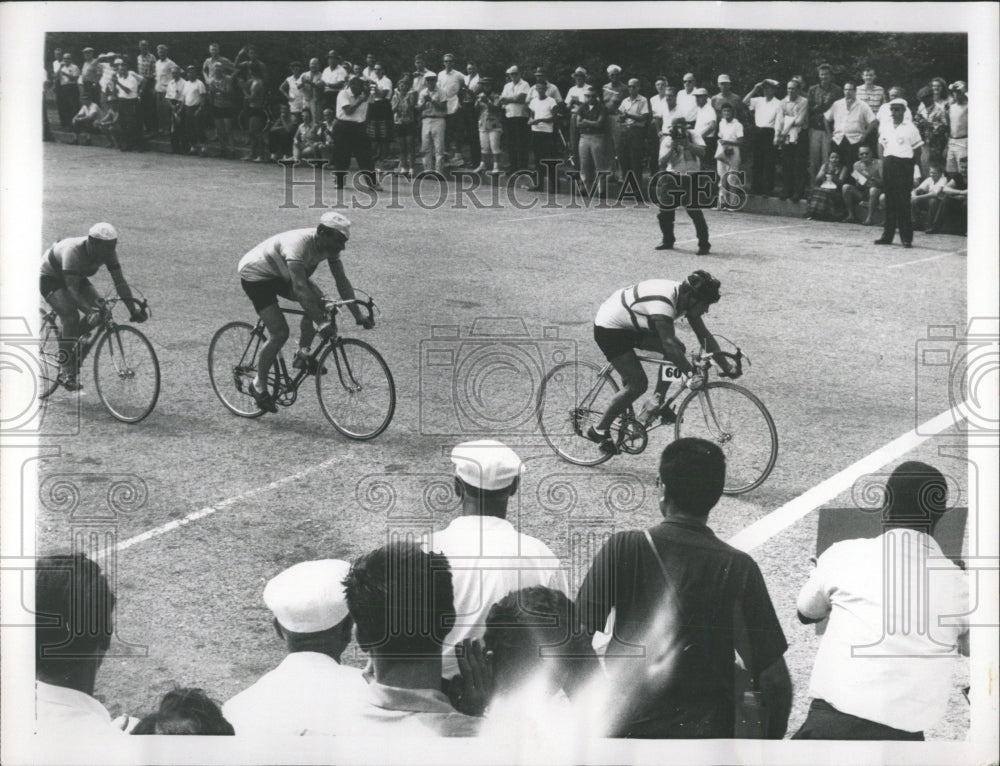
826, 202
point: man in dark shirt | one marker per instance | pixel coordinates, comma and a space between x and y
684, 603
821, 98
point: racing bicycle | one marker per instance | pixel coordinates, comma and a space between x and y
353, 383
126, 370
575, 394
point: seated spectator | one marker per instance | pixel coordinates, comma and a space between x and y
692, 603
326, 132
308, 142
826, 202
86, 120
865, 182
108, 124
185, 711
310, 689
954, 211
883, 670
404, 117
281, 134
402, 601
925, 201
75, 609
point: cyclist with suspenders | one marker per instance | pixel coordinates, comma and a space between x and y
642, 316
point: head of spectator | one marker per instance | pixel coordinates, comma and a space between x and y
121, 68
430, 82
865, 154
614, 72
725, 84
161, 52
726, 112
926, 96
935, 171
825, 74
633, 87
959, 91
794, 90
671, 95
310, 607
218, 70
449, 62
593, 94
252, 52
530, 633
57, 54
307, 116
176, 72
770, 87
487, 474
689, 82
74, 634
67, 58
419, 63
833, 158
661, 86
88, 54
144, 47
801, 80
850, 92
332, 59
191, 72
916, 497
939, 88
471, 69
369, 60
186, 711
897, 91
486, 84
328, 115
692, 474
296, 68
402, 602
540, 76
514, 73
897, 108
868, 75
700, 97
213, 49
405, 82
379, 71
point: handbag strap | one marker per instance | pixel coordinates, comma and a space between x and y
656, 555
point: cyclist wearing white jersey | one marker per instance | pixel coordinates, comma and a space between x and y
643, 316
283, 265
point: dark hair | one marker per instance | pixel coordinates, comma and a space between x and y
693, 473
74, 607
185, 711
916, 496
485, 494
401, 599
524, 628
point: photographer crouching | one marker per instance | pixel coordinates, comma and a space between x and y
677, 187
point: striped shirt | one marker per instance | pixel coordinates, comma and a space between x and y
631, 307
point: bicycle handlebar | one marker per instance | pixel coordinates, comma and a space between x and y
703, 360
332, 306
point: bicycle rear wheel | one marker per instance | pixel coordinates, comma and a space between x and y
563, 416
356, 393
126, 373
232, 366
48, 359
736, 420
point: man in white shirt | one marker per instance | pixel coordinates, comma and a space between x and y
576, 97
850, 121
126, 87
898, 141
470, 115
432, 106
309, 689
451, 82
928, 194
85, 121
489, 557
350, 138
686, 101
334, 79
514, 99
706, 123
898, 620
792, 138
633, 117
163, 68
766, 117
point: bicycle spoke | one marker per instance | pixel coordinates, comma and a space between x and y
569, 403
357, 393
127, 374
232, 366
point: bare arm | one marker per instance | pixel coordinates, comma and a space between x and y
673, 349
304, 294
346, 291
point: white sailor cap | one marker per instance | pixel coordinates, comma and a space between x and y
486, 464
309, 597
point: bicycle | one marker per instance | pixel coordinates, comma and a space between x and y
575, 394
353, 383
126, 370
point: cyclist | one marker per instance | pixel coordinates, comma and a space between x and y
65, 287
283, 265
643, 316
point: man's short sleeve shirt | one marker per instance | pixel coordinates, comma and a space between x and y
631, 307
270, 259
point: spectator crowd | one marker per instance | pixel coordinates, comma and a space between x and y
813, 139
472, 630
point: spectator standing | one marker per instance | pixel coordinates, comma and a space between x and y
727, 96
379, 125
850, 121
869, 92
728, 157
820, 98
195, 93
613, 93
551, 89
899, 141
216, 57
290, 89
334, 79
312, 86
489, 557
928, 194
490, 125
693, 602
514, 99
86, 121
67, 79
125, 87
686, 101
931, 120
432, 105
958, 125
308, 142
247, 58
145, 66
70, 647
596, 156
576, 97
882, 115
706, 125
400, 599
633, 116
657, 110
791, 136
281, 134
470, 116
541, 111
163, 71
350, 139
767, 114
90, 76
310, 689
451, 82
368, 72
826, 201
254, 99
404, 117
873, 678
221, 89
173, 97
867, 184
420, 71
185, 711
680, 155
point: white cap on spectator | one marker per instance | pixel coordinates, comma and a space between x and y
486, 464
633, 81
580, 70
116, 61
699, 92
724, 78
103, 231
309, 597
337, 222
614, 69
769, 81
688, 76
513, 70
898, 102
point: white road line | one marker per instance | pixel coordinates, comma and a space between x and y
209, 510
557, 215
777, 521
746, 231
924, 260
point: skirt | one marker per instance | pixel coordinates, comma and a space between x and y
826, 205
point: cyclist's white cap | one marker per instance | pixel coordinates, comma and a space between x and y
486, 464
337, 222
309, 597
103, 231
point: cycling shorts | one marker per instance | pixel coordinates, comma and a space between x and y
49, 284
616, 342
265, 292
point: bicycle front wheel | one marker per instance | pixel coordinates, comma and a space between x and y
49, 356
573, 397
127, 374
232, 366
736, 420
356, 392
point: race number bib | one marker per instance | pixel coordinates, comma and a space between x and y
670, 373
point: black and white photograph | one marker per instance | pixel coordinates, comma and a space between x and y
492, 383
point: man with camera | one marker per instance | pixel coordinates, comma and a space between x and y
680, 157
